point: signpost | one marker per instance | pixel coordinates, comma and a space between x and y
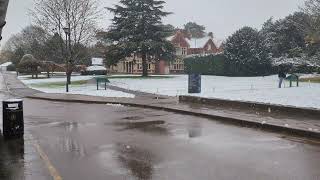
194, 83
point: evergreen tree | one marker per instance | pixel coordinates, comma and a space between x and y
286, 37
312, 9
247, 53
54, 49
137, 29
195, 30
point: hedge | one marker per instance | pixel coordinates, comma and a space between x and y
206, 65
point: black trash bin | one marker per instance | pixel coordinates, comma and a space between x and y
13, 124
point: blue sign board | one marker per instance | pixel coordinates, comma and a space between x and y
194, 83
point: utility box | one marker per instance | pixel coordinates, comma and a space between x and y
13, 123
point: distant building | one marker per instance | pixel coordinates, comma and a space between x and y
97, 61
4, 66
184, 47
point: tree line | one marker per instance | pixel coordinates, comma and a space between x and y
137, 30
292, 42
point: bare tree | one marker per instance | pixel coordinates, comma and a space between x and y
79, 16
312, 8
26, 37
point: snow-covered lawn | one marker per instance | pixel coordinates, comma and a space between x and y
85, 89
257, 89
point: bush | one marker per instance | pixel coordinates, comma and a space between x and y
11, 67
206, 65
29, 65
247, 54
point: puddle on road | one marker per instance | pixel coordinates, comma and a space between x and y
133, 118
127, 161
12, 159
139, 162
157, 127
71, 145
68, 126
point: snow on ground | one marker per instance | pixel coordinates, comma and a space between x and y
27, 79
86, 89
256, 89
310, 76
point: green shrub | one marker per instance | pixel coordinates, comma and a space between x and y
247, 54
206, 65
11, 67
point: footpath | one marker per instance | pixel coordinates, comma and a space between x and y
296, 124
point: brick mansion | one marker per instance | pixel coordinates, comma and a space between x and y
184, 47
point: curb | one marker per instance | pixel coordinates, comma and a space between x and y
240, 122
251, 105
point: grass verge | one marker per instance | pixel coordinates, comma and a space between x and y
139, 77
58, 84
312, 79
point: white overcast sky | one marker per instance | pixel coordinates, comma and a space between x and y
222, 17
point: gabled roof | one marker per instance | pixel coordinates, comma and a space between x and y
198, 43
179, 39
6, 64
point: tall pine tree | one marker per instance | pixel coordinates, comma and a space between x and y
137, 29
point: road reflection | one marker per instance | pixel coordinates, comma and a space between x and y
12, 164
68, 142
194, 129
156, 127
139, 162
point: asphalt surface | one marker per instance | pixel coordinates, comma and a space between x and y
98, 142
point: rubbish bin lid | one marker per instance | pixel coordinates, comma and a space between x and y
13, 100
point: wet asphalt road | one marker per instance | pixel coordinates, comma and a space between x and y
99, 142
114, 142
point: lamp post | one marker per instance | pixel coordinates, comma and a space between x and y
67, 32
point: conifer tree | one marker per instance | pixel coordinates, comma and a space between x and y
137, 29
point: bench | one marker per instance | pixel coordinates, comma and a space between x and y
293, 77
102, 80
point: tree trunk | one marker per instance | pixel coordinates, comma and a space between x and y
36, 71
69, 77
144, 65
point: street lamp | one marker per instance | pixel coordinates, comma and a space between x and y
67, 32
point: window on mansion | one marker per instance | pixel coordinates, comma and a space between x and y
184, 51
178, 51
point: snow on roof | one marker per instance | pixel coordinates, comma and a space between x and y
170, 38
96, 68
6, 64
198, 43
97, 61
